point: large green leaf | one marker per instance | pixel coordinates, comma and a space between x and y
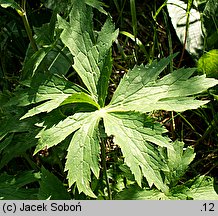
91, 53
83, 155
136, 134
133, 132
140, 90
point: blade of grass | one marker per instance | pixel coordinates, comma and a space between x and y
134, 17
137, 41
134, 24
169, 39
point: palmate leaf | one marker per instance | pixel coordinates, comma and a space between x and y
141, 91
132, 131
92, 59
136, 134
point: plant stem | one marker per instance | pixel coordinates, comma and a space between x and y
103, 159
173, 126
189, 5
27, 26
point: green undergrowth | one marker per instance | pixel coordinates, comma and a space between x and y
74, 127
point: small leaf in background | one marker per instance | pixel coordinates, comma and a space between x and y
51, 187
177, 160
136, 193
17, 146
12, 124
58, 5
12, 186
177, 10
210, 18
202, 188
52, 54
199, 188
62, 5
12, 4
208, 64
96, 4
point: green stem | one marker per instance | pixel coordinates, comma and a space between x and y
27, 26
103, 159
189, 5
134, 26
